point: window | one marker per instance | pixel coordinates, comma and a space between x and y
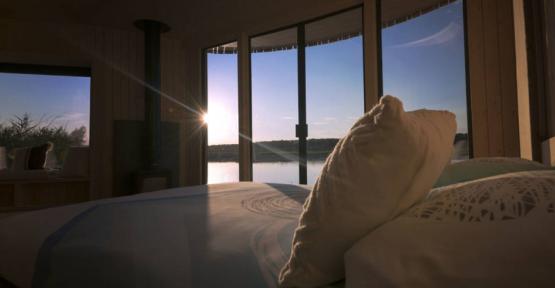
274, 107
222, 114
307, 91
424, 63
41, 108
307, 86
334, 84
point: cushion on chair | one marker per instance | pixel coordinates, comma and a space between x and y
37, 156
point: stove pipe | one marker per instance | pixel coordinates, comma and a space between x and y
152, 30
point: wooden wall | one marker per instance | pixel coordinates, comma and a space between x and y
550, 64
492, 78
116, 59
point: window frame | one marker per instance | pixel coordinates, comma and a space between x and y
300, 28
376, 9
55, 70
204, 105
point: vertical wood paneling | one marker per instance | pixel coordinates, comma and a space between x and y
115, 61
492, 75
107, 107
97, 133
476, 76
125, 48
245, 111
139, 95
372, 57
550, 65
492, 65
508, 78
173, 88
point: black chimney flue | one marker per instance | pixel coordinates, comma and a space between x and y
153, 177
152, 30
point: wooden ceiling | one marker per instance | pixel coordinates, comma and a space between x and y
219, 18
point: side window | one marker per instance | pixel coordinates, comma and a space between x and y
37, 110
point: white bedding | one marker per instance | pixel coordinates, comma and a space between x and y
232, 235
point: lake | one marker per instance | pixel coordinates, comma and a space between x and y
269, 172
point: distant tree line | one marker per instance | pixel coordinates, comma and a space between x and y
288, 150
22, 131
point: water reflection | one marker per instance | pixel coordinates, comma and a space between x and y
272, 172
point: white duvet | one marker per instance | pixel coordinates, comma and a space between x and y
227, 235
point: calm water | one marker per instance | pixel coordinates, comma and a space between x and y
275, 172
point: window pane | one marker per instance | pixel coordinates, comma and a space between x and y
37, 109
335, 88
274, 107
424, 64
222, 115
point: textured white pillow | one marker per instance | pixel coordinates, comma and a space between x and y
491, 232
388, 161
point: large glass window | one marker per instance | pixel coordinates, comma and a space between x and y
314, 73
424, 61
334, 83
222, 114
40, 109
274, 107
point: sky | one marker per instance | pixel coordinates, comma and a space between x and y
65, 100
423, 64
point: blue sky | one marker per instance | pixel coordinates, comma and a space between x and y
423, 64
63, 99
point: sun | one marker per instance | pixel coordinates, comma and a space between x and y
217, 119
221, 122
206, 118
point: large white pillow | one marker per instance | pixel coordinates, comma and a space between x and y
491, 232
388, 161
477, 168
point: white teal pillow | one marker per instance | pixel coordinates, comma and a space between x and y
478, 168
492, 232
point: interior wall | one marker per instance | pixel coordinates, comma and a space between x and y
492, 78
116, 59
550, 61
523, 84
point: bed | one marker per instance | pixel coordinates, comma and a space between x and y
225, 235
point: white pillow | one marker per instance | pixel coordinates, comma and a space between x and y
388, 161
492, 232
478, 168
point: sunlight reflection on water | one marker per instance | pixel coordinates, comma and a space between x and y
272, 172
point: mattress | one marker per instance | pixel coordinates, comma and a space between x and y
225, 235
